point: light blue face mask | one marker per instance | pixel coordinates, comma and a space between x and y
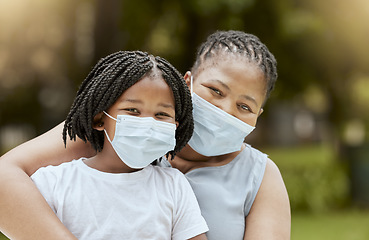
138, 141
215, 131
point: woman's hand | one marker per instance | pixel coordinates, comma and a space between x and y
24, 213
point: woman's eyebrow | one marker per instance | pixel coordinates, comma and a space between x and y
221, 83
252, 99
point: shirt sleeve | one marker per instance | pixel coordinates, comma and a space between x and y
45, 181
188, 221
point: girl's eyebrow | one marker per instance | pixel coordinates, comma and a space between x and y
131, 100
165, 105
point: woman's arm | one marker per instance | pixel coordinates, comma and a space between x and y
199, 237
24, 214
270, 214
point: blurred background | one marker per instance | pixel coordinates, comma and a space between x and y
315, 125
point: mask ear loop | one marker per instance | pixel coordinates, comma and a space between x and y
110, 116
104, 128
108, 137
191, 85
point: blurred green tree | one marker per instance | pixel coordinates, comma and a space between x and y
51, 46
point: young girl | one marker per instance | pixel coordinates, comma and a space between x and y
240, 190
128, 108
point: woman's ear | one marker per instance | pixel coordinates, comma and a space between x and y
260, 112
187, 78
98, 122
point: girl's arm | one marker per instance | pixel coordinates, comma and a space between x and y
270, 215
24, 214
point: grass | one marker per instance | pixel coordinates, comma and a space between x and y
301, 156
339, 225
2, 237
315, 183
342, 225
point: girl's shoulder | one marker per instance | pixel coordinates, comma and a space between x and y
166, 172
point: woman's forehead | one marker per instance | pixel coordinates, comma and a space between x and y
228, 64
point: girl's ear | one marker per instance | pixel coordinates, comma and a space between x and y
98, 122
187, 78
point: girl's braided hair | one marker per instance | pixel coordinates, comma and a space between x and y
106, 82
241, 44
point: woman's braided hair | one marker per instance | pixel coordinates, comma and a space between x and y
106, 82
241, 44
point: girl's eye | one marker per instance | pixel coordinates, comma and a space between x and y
132, 110
163, 114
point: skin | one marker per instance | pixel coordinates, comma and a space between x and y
149, 97
234, 85
238, 88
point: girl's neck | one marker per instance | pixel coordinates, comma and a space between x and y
188, 159
108, 162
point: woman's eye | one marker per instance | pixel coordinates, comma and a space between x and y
216, 91
245, 107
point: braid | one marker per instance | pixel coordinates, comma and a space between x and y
107, 81
110, 77
183, 103
241, 44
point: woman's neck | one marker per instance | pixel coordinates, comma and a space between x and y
188, 159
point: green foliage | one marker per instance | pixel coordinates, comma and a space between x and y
208, 7
314, 180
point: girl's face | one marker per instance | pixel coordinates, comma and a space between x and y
234, 85
149, 97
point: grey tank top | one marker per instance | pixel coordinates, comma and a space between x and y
226, 193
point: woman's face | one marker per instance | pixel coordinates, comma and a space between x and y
234, 85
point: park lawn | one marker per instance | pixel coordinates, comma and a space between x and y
309, 172
339, 225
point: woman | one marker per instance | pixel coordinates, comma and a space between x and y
240, 191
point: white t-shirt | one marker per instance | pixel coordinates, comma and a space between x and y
153, 203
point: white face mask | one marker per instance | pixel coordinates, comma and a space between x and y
215, 131
138, 141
